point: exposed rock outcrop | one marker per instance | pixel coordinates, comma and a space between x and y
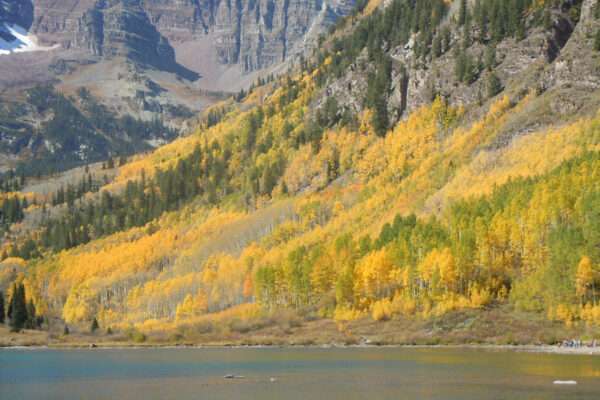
252, 34
121, 28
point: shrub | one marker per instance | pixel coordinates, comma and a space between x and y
139, 337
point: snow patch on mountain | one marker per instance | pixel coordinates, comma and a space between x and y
15, 39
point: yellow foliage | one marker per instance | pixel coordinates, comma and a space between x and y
382, 309
404, 304
585, 276
591, 314
191, 306
373, 276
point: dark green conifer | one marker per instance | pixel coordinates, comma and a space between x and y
494, 85
460, 65
546, 19
462, 12
490, 56
18, 317
32, 321
94, 326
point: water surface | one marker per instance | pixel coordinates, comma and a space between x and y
299, 373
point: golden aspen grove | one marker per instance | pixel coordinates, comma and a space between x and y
286, 202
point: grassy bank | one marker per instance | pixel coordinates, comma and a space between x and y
499, 326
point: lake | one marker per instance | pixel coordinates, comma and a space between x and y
298, 373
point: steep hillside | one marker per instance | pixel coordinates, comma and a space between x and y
431, 156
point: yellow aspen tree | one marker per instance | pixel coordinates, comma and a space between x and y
448, 276
248, 287
200, 303
377, 275
427, 268
585, 278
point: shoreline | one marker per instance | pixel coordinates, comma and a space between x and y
548, 349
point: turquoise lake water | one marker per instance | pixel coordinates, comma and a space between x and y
298, 373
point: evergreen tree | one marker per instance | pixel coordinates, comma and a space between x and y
462, 12
482, 21
10, 309
460, 65
490, 56
66, 330
436, 46
494, 85
547, 19
597, 40
470, 74
2, 313
32, 321
94, 326
110, 164
18, 317
377, 93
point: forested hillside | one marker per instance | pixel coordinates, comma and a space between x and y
48, 132
409, 167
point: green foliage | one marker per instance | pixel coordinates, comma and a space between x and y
465, 68
597, 40
490, 56
377, 93
463, 12
391, 27
494, 85
18, 308
33, 321
575, 14
139, 337
94, 327
11, 211
84, 131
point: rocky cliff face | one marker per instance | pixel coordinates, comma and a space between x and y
121, 28
252, 34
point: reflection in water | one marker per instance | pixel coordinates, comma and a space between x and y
301, 373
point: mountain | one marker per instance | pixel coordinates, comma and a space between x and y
430, 174
213, 45
146, 59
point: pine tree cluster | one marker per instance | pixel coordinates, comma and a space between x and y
20, 313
